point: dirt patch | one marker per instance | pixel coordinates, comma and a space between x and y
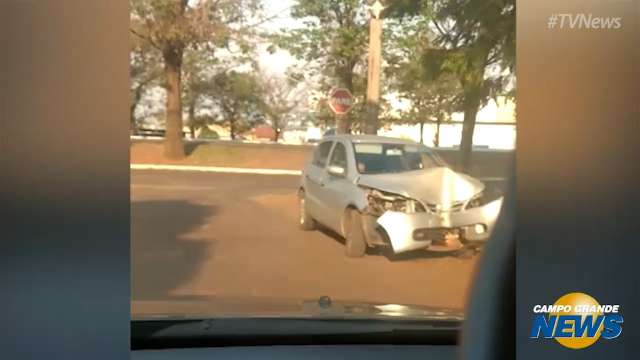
264, 156
287, 204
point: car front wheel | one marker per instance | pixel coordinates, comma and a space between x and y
305, 221
354, 235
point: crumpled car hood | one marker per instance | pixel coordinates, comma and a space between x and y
439, 185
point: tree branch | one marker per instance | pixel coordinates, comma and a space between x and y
147, 38
442, 32
274, 16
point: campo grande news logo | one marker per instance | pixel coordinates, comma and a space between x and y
576, 320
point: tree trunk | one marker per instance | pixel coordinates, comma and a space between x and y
137, 94
275, 126
192, 118
471, 107
436, 138
421, 132
473, 95
232, 128
343, 125
173, 146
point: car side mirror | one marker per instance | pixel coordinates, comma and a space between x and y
336, 170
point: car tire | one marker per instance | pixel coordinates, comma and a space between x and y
305, 222
354, 235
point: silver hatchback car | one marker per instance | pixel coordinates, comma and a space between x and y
379, 191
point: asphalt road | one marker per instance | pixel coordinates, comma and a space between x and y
235, 235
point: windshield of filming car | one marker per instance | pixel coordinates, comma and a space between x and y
380, 158
288, 159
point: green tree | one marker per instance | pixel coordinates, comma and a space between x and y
171, 26
237, 95
199, 65
430, 98
144, 71
334, 43
430, 101
281, 95
475, 41
480, 40
321, 115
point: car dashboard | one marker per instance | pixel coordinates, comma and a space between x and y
307, 352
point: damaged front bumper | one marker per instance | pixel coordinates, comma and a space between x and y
424, 230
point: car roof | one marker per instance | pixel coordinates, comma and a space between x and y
368, 139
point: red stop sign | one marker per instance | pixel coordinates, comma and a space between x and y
340, 101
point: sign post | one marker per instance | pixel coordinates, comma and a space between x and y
373, 76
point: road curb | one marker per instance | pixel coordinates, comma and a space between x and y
214, 169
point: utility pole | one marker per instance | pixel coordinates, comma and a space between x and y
373, 76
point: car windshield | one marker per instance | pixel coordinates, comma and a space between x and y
380, 158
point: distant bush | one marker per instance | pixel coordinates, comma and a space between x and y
207, 133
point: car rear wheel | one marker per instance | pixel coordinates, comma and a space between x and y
305, 221
354, 235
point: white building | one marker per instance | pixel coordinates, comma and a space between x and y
495, 128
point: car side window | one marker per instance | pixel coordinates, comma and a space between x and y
321, 153
339, 156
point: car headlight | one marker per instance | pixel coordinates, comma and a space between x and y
379, 202
481, 199
476, 201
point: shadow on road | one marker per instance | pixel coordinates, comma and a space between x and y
330, 233
163, 255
